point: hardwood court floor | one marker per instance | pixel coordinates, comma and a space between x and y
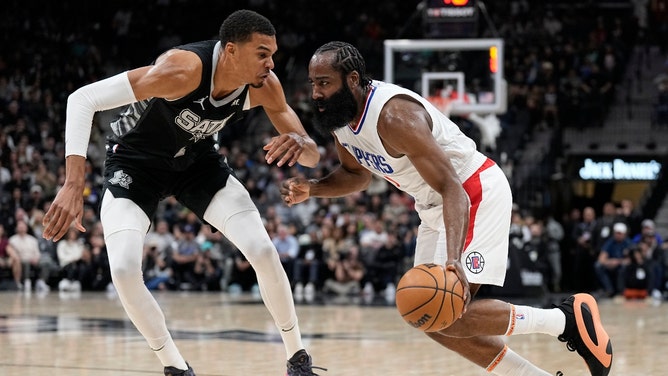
223, 335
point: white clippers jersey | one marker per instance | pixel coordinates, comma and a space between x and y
363, 142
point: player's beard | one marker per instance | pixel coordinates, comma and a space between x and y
339, 110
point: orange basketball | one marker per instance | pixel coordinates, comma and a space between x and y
429, 297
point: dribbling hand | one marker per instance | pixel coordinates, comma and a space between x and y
456, 266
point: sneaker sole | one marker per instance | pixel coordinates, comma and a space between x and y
593, 334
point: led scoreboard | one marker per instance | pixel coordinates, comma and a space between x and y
450, 18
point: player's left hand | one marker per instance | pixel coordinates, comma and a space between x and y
456, 266
286, 148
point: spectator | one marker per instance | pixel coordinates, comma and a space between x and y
585, 250
70, 251
9, 260
155, 270
27, 248
183, 259
372, 239
207, 272
610, 261
96, 275
648, 229
384, 269
636, 275
348, 272
243, 276
308, 260
653, 257
288, 248
535, 252
161, 238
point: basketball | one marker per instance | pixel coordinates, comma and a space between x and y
429, 297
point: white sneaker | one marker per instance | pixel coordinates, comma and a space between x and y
255, 292
64, 285
309, 292
75, 286
309, 289
299, 292
27, 285
657, 295
368, 289
390, 292
41, 286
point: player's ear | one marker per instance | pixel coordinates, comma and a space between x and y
353, 79
230, 48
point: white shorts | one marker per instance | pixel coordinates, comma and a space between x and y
485, 253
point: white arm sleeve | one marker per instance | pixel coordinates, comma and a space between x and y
102, 95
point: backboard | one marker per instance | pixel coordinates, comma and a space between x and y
442, 69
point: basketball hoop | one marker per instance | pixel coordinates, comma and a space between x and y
443, 104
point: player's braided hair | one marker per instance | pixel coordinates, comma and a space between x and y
240, 25
348, 59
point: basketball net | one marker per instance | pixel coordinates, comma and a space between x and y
444, 99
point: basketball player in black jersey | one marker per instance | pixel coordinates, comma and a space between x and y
163, 145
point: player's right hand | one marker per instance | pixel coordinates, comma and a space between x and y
456, 266
295, 190
66, 208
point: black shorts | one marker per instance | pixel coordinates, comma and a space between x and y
193, 178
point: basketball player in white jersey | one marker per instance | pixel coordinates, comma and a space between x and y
463, 200
163, 145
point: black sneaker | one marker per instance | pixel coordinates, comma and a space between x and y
300, 365
584, 333
173, 371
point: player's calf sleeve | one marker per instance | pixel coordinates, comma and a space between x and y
246, 231
125, 226
139, 304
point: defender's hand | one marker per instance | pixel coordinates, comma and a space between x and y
286, 148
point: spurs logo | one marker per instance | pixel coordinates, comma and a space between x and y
199, 128
122, 179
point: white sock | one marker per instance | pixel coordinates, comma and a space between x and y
166, 350
508, 363
526, 320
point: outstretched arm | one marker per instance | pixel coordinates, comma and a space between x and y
293, 144
174, 74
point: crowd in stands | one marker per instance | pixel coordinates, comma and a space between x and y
557, 67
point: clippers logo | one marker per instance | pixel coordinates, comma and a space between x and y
370, 160
519, 316
122, 179
475, 262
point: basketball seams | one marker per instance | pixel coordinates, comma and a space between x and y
434, 307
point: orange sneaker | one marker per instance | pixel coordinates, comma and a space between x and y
585, 334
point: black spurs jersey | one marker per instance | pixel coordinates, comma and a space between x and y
169, 128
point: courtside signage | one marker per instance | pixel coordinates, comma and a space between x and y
619, 169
